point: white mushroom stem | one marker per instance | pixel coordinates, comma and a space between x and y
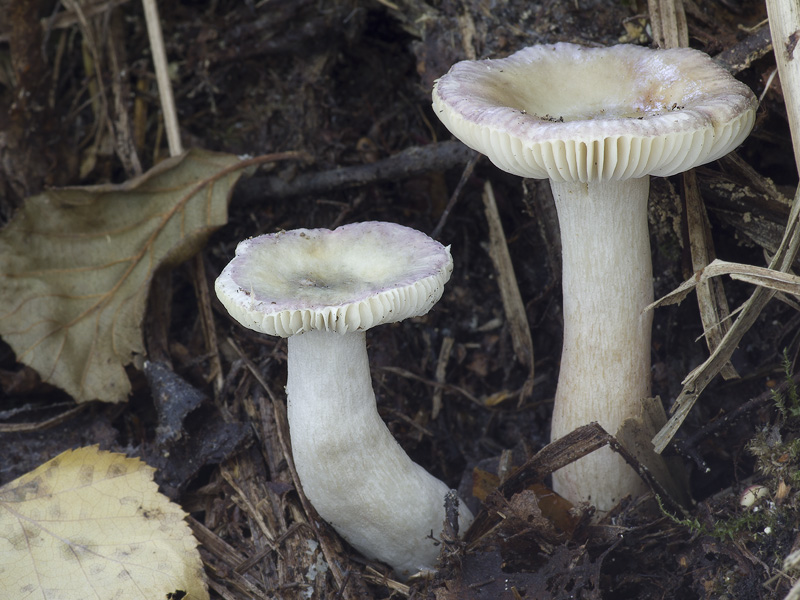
605, 363
353, 471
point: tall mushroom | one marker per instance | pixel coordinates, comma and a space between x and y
323, 289
597, 122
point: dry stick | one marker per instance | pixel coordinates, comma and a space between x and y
668, 20
162, 77
441, 374
42, 425
65, 19
402, 165
93, 66
372, 575
121, 128
513, 305
436, 384
739, 57
790, 566
465, 175
203, 294
711, 300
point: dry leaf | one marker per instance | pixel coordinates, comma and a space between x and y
92, 525
552, 506
76, 265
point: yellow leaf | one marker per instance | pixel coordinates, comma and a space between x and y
76, 265
91, 525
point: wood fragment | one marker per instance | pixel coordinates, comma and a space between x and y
465, 175
711, 300
557, 454
168, 109
504, 465
739, 57
405, 164
668, 22
374, 576
513, 305
203, 295
42, 425
440, 374
249, 507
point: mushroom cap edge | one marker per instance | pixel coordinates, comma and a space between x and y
673, 132
347, 279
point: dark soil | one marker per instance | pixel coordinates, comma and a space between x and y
349, 83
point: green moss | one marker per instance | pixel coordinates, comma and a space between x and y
747, 524
788, 405
776, 449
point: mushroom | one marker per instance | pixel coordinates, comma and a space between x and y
323, 289
597, 122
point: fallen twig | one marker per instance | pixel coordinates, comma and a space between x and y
513, 305
711, 300
406, 163
739, 57
465, 175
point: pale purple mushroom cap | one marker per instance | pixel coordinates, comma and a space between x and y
571, 113
342, 280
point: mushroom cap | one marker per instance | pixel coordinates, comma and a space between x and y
571, 113
342, 280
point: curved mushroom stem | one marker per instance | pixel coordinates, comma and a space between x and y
353, 471
605, 363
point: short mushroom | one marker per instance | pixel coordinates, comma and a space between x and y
597, 122
322, 289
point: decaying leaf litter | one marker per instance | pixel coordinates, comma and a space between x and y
348, 84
